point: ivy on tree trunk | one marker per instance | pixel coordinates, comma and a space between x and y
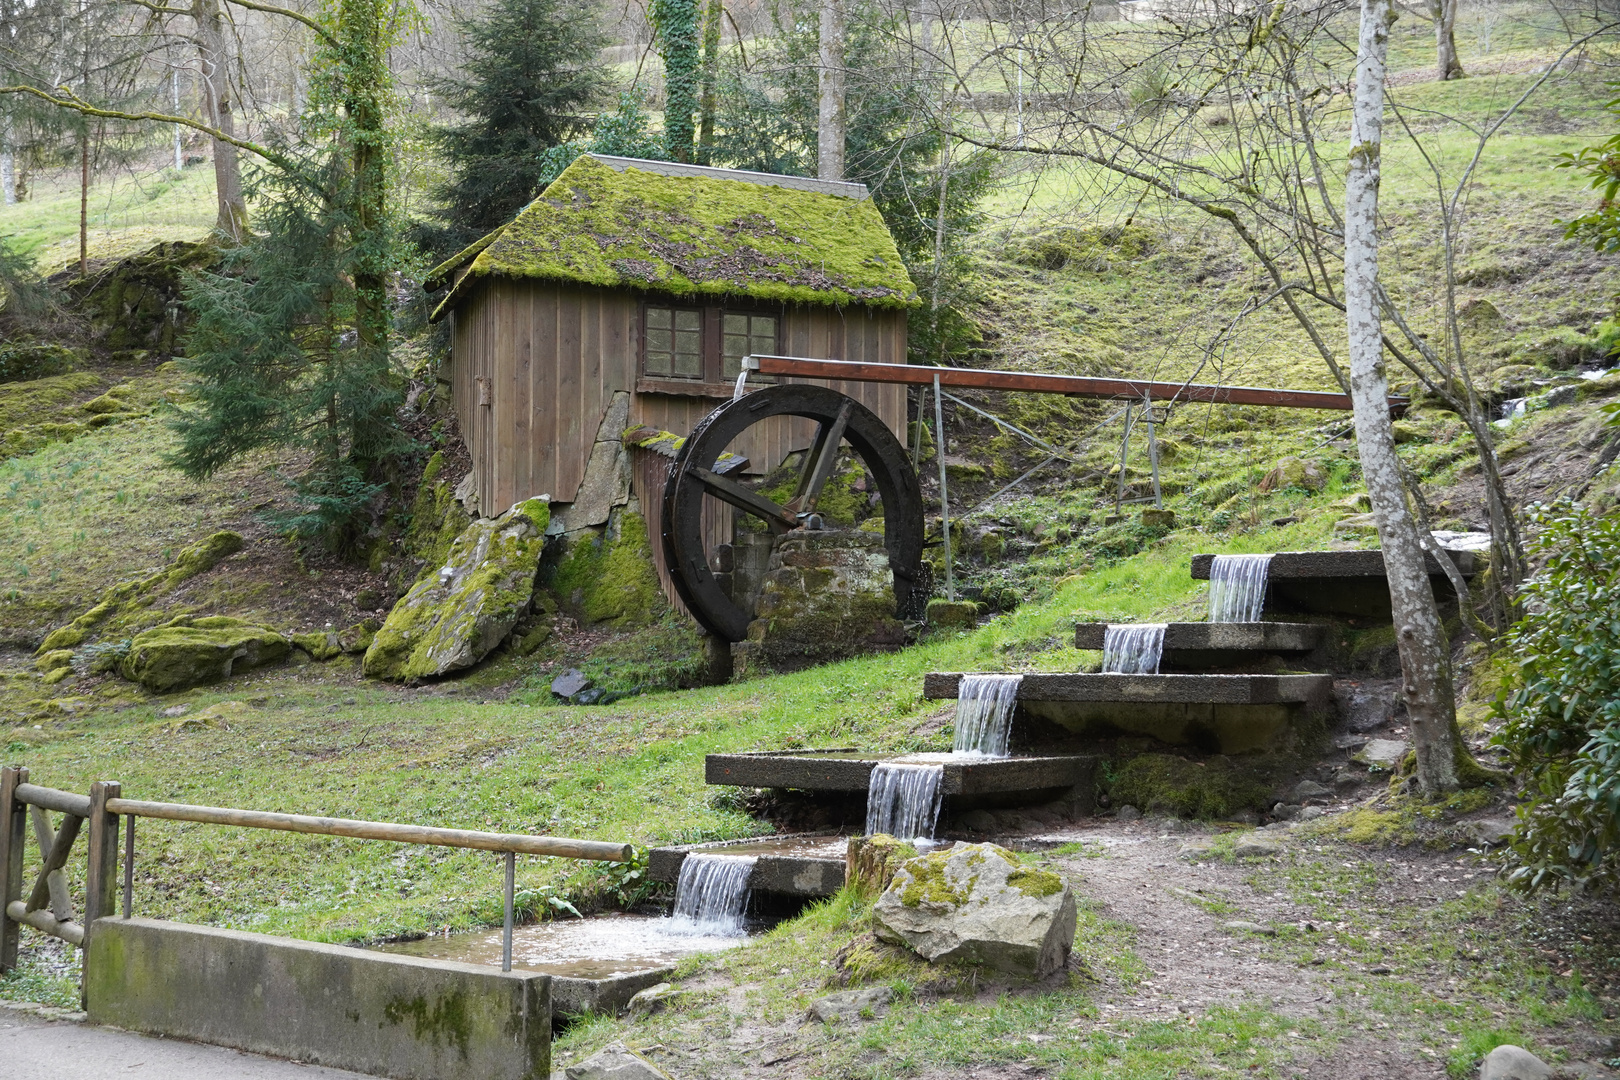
676, 22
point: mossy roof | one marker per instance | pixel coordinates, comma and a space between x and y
621, 223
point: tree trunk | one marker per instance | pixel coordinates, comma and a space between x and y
1424, 651
232, 220
84, 202
708, 94
1444, 14
365, 84
8, 168
830, 129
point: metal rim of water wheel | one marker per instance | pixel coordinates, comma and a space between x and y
840, 419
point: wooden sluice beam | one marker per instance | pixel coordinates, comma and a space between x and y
1159, 393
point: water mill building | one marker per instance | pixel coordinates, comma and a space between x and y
625, 297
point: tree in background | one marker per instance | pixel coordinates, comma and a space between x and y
532, 70
1600, 166
290, 347
676, 23
770, 122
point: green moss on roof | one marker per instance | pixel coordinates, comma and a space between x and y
438, 277
698, 236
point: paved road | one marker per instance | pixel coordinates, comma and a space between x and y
35, 1048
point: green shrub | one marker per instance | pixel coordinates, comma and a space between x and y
1563, 720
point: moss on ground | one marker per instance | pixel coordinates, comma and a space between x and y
127, 602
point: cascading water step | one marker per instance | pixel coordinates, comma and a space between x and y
1225, 714
810, 865
851, 770
1349, 583
1201, 646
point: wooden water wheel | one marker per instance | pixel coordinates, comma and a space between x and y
840, 419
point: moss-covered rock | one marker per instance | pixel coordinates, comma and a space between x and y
611, 579
460, 610
122, 600
1292, 472
1163, 783
135, 302
319, 644
957, 614
436, 518
187, 652
977, 904
24, 360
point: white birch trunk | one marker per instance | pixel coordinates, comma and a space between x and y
830, 128
1425, 659
8, 170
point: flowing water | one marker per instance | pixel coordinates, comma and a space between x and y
903, 800
984, 708
1237, 587
711, 894
1134, 649
595, 948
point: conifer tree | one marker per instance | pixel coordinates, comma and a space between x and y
532, 70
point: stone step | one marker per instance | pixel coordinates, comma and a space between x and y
790, 865
1340, 583
1264, 637
850, 770
1179, 689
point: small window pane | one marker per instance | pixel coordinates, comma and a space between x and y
736, 324
745, 335
673, 343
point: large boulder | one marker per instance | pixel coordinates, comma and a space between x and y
456, 613
977, 904
188, 651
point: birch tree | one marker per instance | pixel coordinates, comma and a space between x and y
1419, 635
830, 129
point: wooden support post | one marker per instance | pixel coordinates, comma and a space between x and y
13, 834
55, 846
129, 863
1124, 456
101, 880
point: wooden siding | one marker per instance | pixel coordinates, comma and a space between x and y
551, 357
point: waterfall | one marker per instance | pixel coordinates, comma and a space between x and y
1133, 649
712, 892
903, 800
984, 708
1237, 587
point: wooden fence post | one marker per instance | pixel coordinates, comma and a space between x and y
101, 880
13, 831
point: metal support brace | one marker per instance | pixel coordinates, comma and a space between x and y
506, 926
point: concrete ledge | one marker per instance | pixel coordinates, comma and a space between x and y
394, 1016
1154, 689
803, 872
811, 770
1286, 565
1265, 637
573, 995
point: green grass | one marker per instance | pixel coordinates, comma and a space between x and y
127, 213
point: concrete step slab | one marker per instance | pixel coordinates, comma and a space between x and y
850, 770
1262, 637
798, 865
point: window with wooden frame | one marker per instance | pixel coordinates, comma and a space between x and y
704, 344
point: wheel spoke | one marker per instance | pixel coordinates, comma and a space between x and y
818, 463
778, 518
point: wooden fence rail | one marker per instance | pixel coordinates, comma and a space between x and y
48, 908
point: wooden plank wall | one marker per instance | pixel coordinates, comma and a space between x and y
552, 357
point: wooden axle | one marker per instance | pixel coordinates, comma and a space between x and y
1163, 393
376, 830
